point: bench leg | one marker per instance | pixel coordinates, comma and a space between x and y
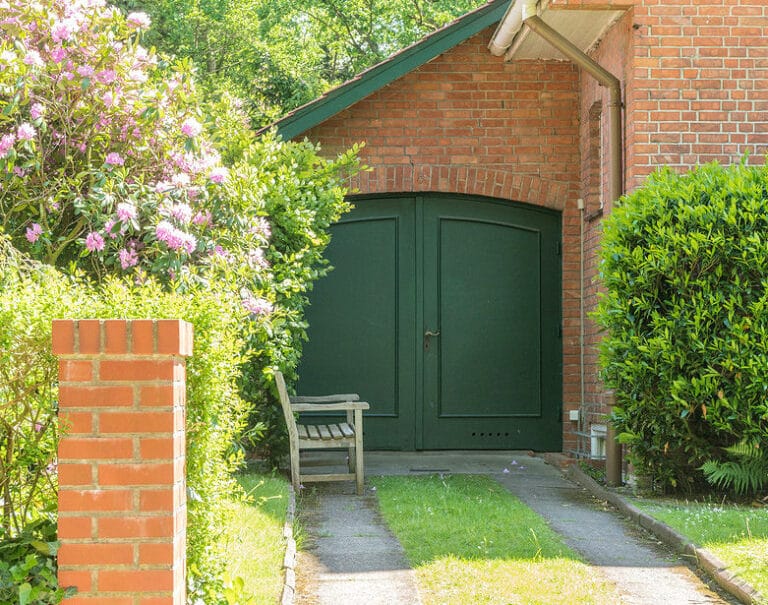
359, 475
295, 469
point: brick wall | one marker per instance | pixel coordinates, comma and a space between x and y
122, 498
467, 122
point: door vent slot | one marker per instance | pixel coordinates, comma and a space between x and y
489, 434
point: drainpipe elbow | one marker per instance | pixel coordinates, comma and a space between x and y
530, 9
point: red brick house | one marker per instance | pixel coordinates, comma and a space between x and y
465, 275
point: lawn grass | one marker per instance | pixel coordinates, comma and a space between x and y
736, 534
254, 537
471, 541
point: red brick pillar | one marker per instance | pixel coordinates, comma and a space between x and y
122, 493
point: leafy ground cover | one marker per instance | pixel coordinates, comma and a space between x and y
254, 538
736, 534
471, 541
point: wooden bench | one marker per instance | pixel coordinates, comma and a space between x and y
347, 434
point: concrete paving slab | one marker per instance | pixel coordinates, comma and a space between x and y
351, 557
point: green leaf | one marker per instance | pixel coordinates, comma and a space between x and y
25, 593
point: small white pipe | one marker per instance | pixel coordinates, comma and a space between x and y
510, 25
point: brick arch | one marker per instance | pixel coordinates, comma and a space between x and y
472, 180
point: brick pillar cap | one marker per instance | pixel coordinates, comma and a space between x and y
140, 336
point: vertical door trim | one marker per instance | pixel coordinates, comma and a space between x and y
419, 344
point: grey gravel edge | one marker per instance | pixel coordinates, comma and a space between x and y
705, 560
289, 558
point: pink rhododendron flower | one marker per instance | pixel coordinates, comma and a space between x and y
26, 132
182, 213
137, 75
114, 159
128, 258
86, 71
218, 175
33, 233
174, 238
256, 258
138, 20
202, 218
6, 144
33, 58
58, 54
94, 241
180, 180
106, 76
107, 98
191, 127
261, 227
108, 226
63, 30
37, 111
219, 250
126, 211
257, 306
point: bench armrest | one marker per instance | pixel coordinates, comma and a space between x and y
330, 407
324, 398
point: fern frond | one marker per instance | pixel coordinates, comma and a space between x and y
747, 474
746, 450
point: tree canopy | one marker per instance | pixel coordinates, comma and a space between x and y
276, 55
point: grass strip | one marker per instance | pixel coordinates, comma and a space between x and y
254, 537
737, 534
471, 541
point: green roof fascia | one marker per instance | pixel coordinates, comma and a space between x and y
378, 76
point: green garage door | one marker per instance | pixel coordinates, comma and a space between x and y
443, 312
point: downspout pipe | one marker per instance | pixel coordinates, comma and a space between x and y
616, 181
605, 78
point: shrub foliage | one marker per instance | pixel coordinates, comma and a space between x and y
685, 310
31, 295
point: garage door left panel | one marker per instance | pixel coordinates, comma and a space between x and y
362, 320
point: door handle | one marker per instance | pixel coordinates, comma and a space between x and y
427, 336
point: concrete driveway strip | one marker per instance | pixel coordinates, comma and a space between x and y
645, 572
352, 557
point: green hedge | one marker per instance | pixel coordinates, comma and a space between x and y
31, 295
684, 262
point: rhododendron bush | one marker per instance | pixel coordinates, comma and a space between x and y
110, 167
103, 156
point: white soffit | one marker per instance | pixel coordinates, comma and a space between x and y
584, 28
